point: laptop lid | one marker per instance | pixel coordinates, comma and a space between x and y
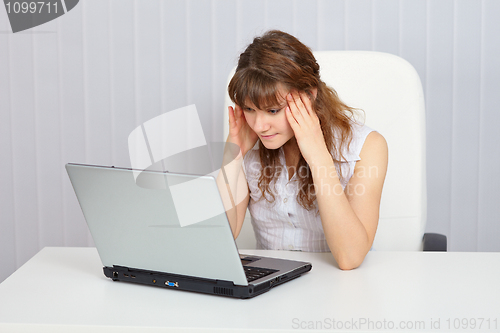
164, 222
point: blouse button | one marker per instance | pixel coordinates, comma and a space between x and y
285, 200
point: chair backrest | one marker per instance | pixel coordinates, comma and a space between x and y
388, 89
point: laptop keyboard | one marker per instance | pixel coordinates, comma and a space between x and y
254, 273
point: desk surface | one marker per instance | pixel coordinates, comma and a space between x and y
62, 287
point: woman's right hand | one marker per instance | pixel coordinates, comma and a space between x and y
240, 132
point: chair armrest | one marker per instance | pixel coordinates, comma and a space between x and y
435, 242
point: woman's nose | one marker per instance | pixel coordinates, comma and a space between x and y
261, 122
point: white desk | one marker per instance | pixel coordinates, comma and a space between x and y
64, 290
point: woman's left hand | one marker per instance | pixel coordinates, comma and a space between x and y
305, 124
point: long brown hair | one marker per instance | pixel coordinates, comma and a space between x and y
278, 58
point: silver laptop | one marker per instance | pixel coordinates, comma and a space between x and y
170, 230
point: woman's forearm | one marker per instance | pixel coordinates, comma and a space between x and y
345, 234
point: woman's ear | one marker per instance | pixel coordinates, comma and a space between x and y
314, 92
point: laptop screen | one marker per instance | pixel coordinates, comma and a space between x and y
164, 222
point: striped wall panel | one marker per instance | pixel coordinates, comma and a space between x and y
73, 89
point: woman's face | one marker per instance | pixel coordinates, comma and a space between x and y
271, 125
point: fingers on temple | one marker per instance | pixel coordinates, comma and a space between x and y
291, 118
306, 101
296, 106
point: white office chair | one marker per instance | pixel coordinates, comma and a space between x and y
388, 89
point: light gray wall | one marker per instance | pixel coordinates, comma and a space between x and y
73, 89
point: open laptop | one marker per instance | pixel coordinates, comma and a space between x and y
170, 230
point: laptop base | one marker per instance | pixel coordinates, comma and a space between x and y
189, 283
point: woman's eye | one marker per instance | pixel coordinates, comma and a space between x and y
274, 111
247, 109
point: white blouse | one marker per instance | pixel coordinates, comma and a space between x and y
284, 224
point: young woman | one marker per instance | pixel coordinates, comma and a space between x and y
315, 181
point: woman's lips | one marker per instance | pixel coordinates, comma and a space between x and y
267, 137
